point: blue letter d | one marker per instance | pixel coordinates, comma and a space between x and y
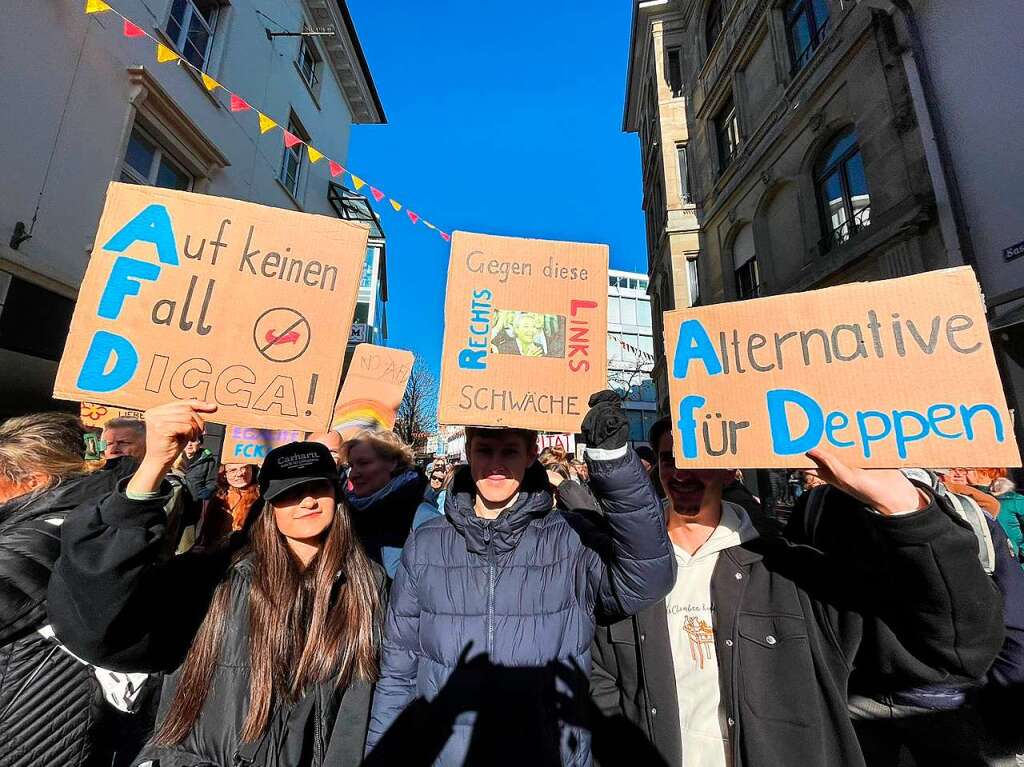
783, 442
92, 376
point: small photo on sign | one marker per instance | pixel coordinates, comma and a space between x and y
528, 334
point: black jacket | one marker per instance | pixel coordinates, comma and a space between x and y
201, 475
791, 624
116, 600
36, 677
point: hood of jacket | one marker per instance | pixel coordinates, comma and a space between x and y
534, 501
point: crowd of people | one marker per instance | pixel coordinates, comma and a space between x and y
339, 605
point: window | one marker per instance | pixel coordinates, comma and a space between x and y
613, 310
34, 320
146, 163
747, 283
309, 64
745, 263
713, 24
191, 26
684, 173
693, 281
643, 311
292, 162
842, 189
727, 134
674, 72
806, 25
636, 425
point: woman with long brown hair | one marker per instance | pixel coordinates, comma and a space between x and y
227, 511
269, 643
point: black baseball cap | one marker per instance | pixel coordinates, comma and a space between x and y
296, 464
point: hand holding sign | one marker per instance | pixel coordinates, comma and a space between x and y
887, 491
168, 428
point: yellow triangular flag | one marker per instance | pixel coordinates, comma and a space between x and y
357, 182
397, 206
209, 82
315, 155
165, 54
266, 123
96, 6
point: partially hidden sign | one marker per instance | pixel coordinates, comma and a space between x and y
192, 296
372, 390
524, 332
244, 444
97, 416
882, 374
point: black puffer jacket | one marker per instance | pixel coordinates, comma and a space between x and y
118, 601
48, 700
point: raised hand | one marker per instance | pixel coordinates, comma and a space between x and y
168, 428
885, 490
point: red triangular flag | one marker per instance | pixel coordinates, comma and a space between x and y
414, 217
444, 235
238, 104
291, 139
378, 195
130, 30
336, 170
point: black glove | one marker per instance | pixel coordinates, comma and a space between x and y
605, 426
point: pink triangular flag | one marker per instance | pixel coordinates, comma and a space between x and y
336, 170
131, 30
444, 235
238, 104
414, 217
291, 140
378, 195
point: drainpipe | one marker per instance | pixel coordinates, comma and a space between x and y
950, 210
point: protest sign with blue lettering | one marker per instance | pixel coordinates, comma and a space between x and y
192, 296
883, 374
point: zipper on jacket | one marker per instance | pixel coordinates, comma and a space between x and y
318, 752
491, 574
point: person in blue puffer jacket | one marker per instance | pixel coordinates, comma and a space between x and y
492, 612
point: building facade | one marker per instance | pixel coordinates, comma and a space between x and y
631, 352
85, 106
806, 161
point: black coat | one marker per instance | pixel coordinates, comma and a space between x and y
37, 679
118, 601
791, 624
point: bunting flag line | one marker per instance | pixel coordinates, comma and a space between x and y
165, 53
266, 123
640, 353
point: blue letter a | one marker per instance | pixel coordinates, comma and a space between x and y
693, 343
783, 442
92, 376
152, 224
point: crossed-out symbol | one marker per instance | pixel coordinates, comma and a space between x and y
281, 334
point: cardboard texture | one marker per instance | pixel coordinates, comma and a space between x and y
192, 296
247, 445
95, 415
524, 332
372, 390
882, 374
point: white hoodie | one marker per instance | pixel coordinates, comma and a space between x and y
702, 725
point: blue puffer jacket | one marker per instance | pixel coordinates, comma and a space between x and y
509, 606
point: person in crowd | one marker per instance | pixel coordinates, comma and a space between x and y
268, 645
1011, 513
199, 470
449, 477
569, 492
646, 457
386, 497
582, 472
493, 598
957, 481
43, 477
747, 660
124, 436
810, 480
333, 441
230, 507
438, 474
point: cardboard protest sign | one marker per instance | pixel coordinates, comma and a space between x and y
372, 390
882, 374
247, 445
97, 416
524, 332
188, 295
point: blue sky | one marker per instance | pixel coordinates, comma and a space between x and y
503, 118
